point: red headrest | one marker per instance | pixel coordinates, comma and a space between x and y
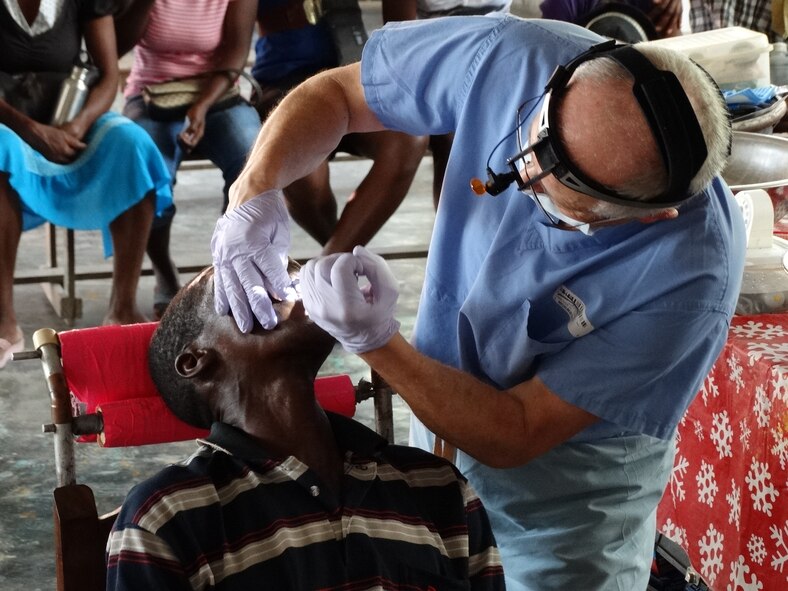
107, 370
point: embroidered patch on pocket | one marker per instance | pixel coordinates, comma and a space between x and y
579, 324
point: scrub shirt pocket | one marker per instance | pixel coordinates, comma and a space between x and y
505, 349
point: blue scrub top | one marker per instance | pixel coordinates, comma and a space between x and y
625, 323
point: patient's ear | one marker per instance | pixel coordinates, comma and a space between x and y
193, 361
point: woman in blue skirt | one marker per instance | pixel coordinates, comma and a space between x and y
97, 171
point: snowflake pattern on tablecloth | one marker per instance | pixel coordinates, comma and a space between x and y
780, 447
722, 434
739, 572
758, 330
677, 475
707, 484
711, 554
762, 491
709, 390
780, 384
761, 406
780, 537
700, 432
744, 434
736, 373
775, 352
729, 487
757, 549
734, 502
675, 533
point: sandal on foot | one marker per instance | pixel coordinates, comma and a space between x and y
8, 348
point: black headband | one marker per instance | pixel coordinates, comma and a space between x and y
666, 108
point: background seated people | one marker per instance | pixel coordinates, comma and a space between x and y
97, 171
282, 495
177, 38
657, 18
289, 50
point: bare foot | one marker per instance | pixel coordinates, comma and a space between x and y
11, 332
10, 344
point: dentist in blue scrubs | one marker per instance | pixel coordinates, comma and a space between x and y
570, 312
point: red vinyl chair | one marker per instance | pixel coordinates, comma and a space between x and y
100, 391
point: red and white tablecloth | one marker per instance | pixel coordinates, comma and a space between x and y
727, 500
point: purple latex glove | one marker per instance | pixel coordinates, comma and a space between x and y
249, 247
360, 318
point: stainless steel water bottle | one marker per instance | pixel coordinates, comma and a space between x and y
73, 93
778, 64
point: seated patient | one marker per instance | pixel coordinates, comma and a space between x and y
282, 495
96, 171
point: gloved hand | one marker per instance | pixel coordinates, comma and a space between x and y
249, 247
360, 318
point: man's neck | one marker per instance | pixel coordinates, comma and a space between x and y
285, 418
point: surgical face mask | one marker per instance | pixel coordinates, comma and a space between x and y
552, 212
554, 215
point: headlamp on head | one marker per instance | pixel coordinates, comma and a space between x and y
666, 108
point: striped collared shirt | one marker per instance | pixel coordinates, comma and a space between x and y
233, 517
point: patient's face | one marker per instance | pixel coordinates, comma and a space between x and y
295, 331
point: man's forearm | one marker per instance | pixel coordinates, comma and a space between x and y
292, 142
475, 417
500, 428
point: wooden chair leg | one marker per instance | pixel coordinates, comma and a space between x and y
80, 540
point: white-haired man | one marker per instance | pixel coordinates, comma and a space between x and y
562, 329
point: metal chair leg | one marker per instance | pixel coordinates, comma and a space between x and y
71, 306
384, 413
62, 295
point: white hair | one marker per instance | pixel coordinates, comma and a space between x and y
709, 108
